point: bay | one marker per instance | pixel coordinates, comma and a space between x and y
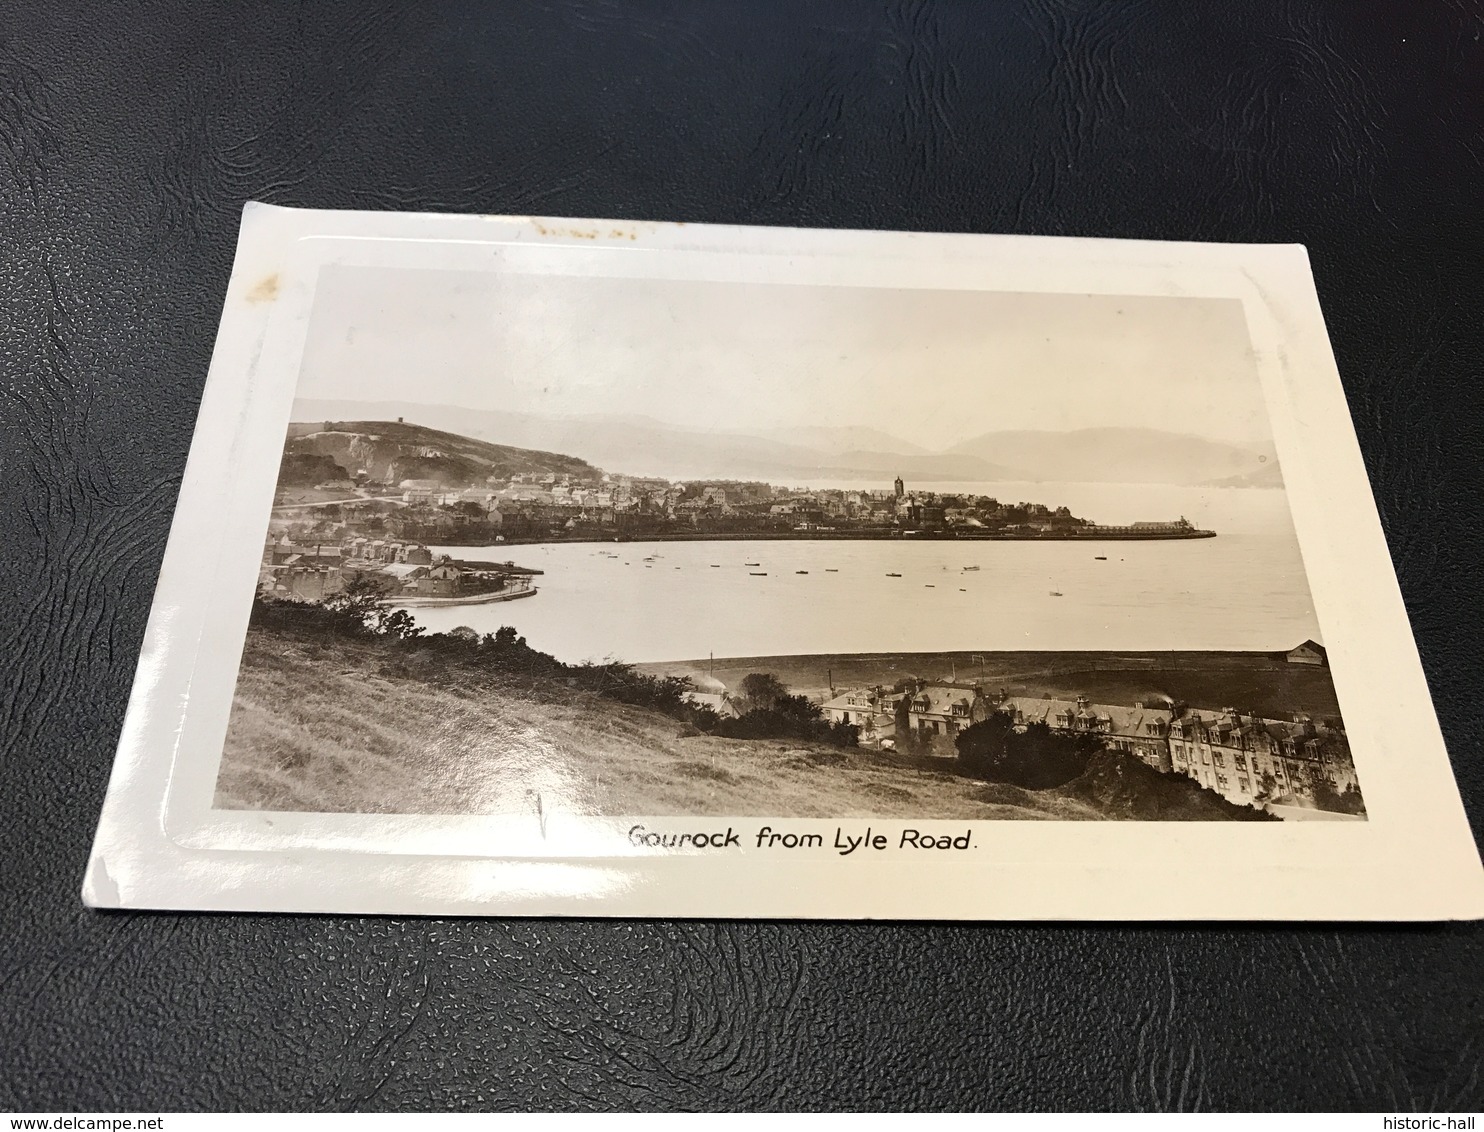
664, 601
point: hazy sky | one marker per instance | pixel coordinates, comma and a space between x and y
931, 367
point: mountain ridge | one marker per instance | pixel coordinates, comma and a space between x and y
393, 450
1139, 455
644, 446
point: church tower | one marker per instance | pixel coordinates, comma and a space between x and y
899, 486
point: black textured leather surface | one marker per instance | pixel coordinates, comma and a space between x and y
131, 134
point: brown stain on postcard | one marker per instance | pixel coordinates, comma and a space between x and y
265, 291
581, 233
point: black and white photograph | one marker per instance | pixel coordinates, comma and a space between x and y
645, 546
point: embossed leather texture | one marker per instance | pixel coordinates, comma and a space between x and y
131, 134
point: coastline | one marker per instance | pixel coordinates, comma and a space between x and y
399, 602
1110, 535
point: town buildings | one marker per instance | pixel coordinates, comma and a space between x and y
313, 572
1142, 730
873, 711
1250, 760
1247, 759
1311, 653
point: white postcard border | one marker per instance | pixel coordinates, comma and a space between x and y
160, 845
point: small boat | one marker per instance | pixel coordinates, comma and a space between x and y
1100, 558
752, 563
962, 590
930, 586
716, 566
759, 573
894, 575
831, 570
971, 567
801, 571
1055, 593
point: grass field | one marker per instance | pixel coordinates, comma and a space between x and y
1262, 683
329, 729
345, 725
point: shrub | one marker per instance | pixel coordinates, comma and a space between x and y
760, 691
1326, 797
1125, 787
357, 612
790, 717
1037, 758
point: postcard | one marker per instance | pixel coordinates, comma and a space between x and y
530, 566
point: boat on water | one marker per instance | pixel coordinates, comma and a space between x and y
1056, 593
801, 571
759, 573
716, 565
967, 569
831, 570
1100, 558
929, 586
894, 575
752, 563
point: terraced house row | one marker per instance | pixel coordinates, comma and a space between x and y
1246, 758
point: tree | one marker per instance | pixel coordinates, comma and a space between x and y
505, 638
797, 707
761, 690
1036, 758
1267, 785
396, 623
982, 746
1326, 797
906, 738
359, 600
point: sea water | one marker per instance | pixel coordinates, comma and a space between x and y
661, 601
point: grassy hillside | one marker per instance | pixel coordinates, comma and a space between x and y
372, 725
392, 451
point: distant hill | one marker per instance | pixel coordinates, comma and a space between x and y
1118, 455
643, 446
1269, 475
391, 451
636, 445
843, 439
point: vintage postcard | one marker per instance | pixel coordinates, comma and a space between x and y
534, 566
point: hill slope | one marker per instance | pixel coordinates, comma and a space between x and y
368, 725
1269, 475
391, 451
367, 732
643, 446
